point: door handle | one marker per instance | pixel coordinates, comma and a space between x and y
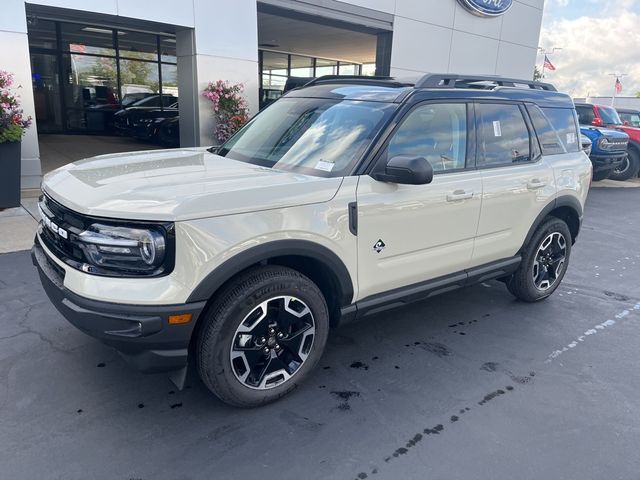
536, 184
459, 195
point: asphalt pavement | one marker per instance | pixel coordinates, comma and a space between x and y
469, 385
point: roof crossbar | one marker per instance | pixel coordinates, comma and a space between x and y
358, 80
453, 80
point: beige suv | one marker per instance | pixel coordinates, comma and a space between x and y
344, 198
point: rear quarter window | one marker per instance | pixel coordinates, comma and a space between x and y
547, 135
565, 122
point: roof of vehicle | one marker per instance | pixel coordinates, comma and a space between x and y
627, 110
583, 104
439, 85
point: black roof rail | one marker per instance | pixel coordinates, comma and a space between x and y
358, 80
454, 80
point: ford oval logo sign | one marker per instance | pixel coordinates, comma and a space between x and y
487, 8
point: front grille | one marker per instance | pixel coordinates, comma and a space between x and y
71, 222
616, 144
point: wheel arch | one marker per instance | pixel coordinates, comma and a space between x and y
311, 259
566, 208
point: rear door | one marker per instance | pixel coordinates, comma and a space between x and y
516, 181
412, 233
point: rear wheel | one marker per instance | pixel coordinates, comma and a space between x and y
544, 262
262, 336
627, 169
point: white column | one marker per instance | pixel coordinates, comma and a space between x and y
14, 57
225, 48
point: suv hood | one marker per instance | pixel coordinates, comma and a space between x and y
174, 185
607, 132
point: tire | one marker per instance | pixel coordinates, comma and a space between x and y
602, 175
524, 284
629, 169
238, 327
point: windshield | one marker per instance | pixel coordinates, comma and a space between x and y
609, 116
314, 136
632, 119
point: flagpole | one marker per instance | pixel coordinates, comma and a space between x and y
617, 76
544, 54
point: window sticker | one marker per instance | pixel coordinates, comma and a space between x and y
325, 166
497, 128
571, 138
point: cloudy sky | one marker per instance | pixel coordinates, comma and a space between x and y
598, 37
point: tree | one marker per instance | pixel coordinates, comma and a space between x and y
537, 74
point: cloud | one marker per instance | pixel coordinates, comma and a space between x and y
593, 46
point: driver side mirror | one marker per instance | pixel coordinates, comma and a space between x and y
597, 122
406, 170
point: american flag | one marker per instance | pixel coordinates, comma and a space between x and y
618, 86
548, 65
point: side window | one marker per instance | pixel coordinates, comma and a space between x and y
437, 132
563, 121
549, 138
585, 115
503, 135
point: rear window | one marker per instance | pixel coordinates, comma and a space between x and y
504, 137
564, 122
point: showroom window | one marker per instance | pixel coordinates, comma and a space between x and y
83, 74
277, 67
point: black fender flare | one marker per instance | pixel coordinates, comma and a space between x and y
562, 201
278, 248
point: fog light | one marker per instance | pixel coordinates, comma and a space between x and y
180, 319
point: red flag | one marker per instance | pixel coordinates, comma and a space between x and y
548, 65
618, 86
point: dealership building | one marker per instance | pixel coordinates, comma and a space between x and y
79, 61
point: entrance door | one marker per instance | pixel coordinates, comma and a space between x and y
46, 92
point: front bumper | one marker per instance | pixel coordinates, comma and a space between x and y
141, 333
606, 162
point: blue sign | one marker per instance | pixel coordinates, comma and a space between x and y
487, 8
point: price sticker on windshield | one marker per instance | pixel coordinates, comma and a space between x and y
325, 166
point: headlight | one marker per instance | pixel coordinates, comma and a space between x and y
136, 251
603, 142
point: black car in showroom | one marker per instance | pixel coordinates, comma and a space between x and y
169, 132
135, 119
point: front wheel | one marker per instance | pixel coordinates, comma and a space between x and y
627, 169
262, 336
602, 175
544, 262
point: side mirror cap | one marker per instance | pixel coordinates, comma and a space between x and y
597, 122
407, 170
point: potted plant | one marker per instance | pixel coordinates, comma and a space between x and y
13, 124
229, 108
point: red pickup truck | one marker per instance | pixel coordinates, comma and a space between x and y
604, 116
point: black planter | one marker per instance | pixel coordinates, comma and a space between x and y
9, 174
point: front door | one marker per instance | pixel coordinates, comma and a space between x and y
412, 233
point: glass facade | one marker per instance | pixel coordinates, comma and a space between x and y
277, 67
83, 74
